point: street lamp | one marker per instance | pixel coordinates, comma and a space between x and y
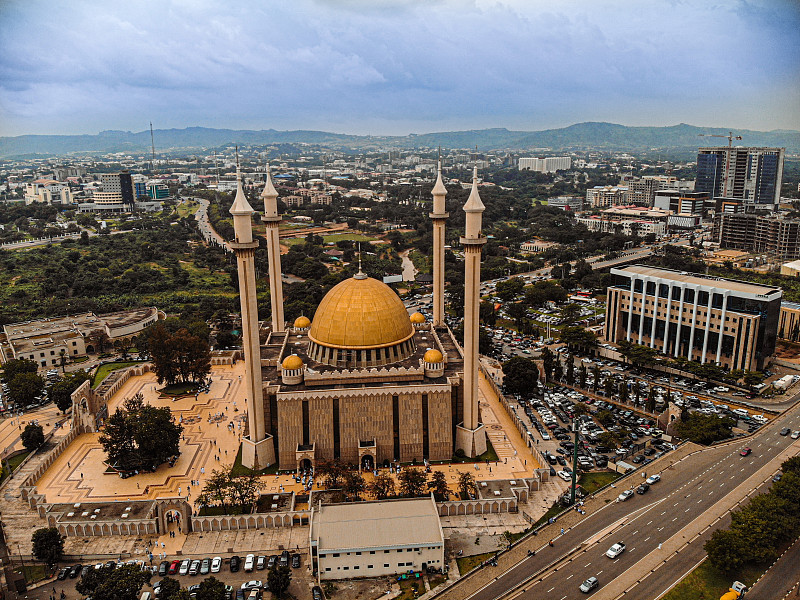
574, 462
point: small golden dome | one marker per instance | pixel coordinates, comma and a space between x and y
360, 313
417, 317
302, 322
292, 362
433, 356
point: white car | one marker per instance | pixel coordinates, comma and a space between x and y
795, 434
249, 563
216, 564
252, 585
564, 475
184, 570
625, 495
615, 550
653, 479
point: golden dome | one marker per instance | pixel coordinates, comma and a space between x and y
301, 322
433, 356
417, 317
361, 313
292, 362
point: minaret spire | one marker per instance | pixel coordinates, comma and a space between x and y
272, 221
258, 447
438, 216
471, 435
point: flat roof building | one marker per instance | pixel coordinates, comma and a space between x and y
374, 539
706, 319
754, 174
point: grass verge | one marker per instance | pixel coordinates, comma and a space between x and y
179, 389
707, 583
11, 465
467, 563
591, 482
33, 573
489, 455
103, 370
410, 589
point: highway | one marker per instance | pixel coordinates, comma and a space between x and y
692, 499
782, 578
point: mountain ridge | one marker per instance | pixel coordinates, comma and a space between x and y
578, 136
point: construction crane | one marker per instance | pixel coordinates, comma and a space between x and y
730, 137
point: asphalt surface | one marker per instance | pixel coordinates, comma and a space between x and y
686, 491
781, 578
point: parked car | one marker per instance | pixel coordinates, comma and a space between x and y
653, 479
63, 573
316, 593
75, 571
261, 562
184, 568
284, 560
249, 563
205, 566
272, 560
163, 568
216, 564
590, 584
194, 567
296, 561
173, 567
253, 584
642, 489
236, 563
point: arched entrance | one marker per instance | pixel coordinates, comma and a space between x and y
174, 516
306, 466
367, 463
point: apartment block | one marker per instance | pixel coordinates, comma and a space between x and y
608, 195
707, 319
549, 164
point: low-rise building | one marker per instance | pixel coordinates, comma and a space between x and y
606, 195
573, 203
375, 539
789, 322
640, 227
776, 236
549, 164
792, 269
537, 246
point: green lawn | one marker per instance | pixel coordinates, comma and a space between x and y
707, 583
33, 573
333, 237
238, 469
411, 588
591, 482
12, 464
467, 563
103, 370
179, 389
489, 455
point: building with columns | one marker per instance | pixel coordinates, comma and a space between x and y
707, 319
360, 380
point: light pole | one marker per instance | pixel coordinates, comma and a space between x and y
574, 462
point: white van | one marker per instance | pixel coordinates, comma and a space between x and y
249, 563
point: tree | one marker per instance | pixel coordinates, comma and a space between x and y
610, 439
61, 391
520, 375
48, 545
15, 367
210, 588
704, 429
333, 471
140, 437
623, 391
354, 485
439, 487
582, 376
581, 408
510, 289
123, 583
609, 386
412, 482
726, 551
570, 313
466, 485
570, 374
558, 370
169, 588
382, 486
595, 378
182, 356
548, 362
32, 436
24, 388
606, 418
278, 580
243, 491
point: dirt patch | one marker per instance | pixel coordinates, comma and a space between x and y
788, 351
361, 589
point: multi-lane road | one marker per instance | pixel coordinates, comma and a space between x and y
678, 514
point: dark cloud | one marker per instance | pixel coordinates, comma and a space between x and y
393, 66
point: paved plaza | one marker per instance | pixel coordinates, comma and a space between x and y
12, 425
212, 432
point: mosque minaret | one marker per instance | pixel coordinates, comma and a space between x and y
272, 221
471, 435
257, 452
438, 216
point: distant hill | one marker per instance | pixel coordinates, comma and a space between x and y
607, 136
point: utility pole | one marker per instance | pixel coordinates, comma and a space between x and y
574, 463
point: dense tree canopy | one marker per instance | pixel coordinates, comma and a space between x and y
61, 391
179, 356
107, 583
32, 436
704, 429
520, 376
139, 437
48, 545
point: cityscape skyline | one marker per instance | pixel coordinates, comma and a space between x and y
392, 68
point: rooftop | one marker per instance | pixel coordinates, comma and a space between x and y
698, 279
406, 522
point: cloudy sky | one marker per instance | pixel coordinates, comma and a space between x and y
396, 66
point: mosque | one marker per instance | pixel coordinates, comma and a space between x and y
363, 381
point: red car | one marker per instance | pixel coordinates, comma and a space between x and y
745, 452
173, 568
